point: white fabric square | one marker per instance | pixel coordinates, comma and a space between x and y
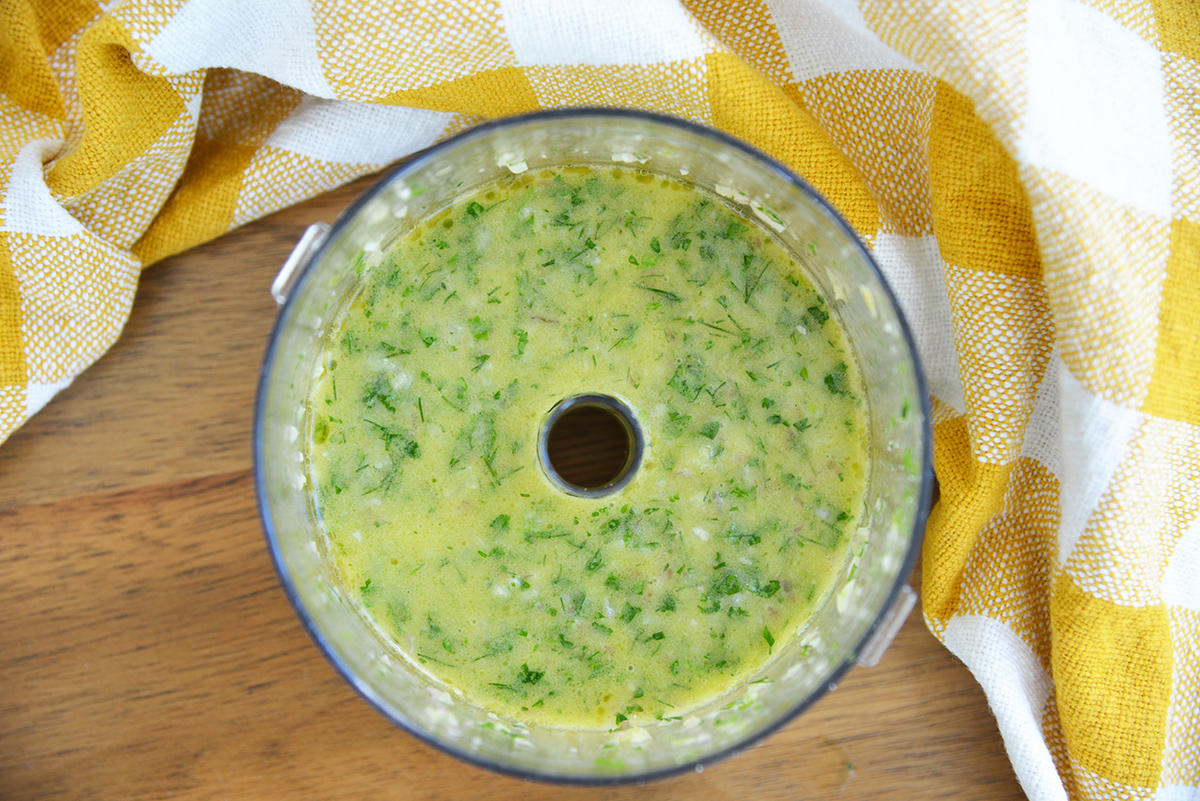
357, 133
1095, 439
1017, 689
1181, 581
1041, 441
824, 36
37, 395
276, 39
29, 208
1095, 105
565, 32
914, 270
1177, 792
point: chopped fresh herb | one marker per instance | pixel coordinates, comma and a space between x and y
677, 423
729, 585
765, 590
480, 328
836, 380
689, 380
671, 296
527, 676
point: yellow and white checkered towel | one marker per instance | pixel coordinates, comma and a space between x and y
1026, 172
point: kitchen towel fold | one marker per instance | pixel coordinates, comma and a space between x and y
1025, 172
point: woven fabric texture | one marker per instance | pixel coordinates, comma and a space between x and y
1026, 173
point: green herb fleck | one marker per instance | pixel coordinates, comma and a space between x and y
479, 328
689, 380
527, 676
729, 585
836, 381
671, 296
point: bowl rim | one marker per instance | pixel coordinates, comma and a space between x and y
560, 115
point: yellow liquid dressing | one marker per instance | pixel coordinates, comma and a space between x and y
537, 604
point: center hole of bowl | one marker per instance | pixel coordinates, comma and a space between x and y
591, 445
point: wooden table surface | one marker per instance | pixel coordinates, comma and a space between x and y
147, 650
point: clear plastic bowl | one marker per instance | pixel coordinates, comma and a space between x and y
851, 627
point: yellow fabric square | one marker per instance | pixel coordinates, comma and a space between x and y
12, 345
948, 45
1104, 300
880, 119
981, 213
73, 314
25, 74
201, 207
748, 106
124, 204
405, 46
1152, 499
1178, 26
675, 87
12, 409
1112, 670
748, 31
1002, 358
59, 21
1056, 743
1174, 390
21, 126
971, 494
125, 111
494, 93
1010, 571
303, 176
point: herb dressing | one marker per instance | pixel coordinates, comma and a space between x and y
543, 606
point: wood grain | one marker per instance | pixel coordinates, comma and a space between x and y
147, 651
